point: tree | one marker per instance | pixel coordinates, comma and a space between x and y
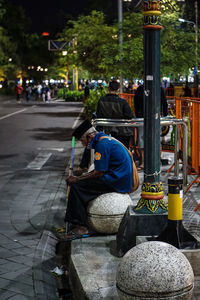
109, 9
177, 45
189, 10
6, 48
88, 36
28, 50
95, 44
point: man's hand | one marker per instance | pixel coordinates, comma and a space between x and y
71, 179
86, 176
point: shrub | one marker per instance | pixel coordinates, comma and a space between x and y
7, 91
70, 96
90, 105
61, 93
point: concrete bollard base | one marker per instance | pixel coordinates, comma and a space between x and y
133, 225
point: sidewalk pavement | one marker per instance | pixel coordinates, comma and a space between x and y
93, 263
30, 210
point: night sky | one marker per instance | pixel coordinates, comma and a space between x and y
48, 15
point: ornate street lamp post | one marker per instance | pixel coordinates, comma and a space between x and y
151, 200
120, 19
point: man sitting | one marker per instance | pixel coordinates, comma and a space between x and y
112, 173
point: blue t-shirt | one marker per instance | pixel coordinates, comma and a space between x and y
114, 160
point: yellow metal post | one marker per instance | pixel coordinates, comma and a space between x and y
175, 233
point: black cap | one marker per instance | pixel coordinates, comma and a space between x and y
81, 129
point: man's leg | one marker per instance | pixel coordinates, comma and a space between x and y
85, 160
81, 193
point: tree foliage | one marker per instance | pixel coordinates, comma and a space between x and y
177, 45
96, 47
88, 36
21, 50
94, 43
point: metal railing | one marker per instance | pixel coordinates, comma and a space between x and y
137, 122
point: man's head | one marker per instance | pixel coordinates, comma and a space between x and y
85, 132
113, 86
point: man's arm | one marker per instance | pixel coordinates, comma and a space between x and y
91, 175
98, 111
127, 113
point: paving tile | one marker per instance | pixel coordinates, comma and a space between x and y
21, 297
5, 253
22, 259
28, 197
4, 283
19, 276
10, 267
3, 261
14, 246
28, 251
5, 295
20, 288
4, 239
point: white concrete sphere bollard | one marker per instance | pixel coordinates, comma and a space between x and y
154, 270
106, 212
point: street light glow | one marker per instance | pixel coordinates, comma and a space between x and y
186, 21
115, 36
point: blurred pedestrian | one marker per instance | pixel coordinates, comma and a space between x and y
19, 90
39, 91
44, 94
187, 90
111, 106
48, 94
86, 91
28, 92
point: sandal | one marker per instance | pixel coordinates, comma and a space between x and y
78, 232
76, 235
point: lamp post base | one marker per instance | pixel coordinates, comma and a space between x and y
151, 200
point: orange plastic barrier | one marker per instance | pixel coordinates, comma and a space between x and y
183, 107
190, 108
129, 98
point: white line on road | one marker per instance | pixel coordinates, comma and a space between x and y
39, 161
10, 115
77, 119
51, 149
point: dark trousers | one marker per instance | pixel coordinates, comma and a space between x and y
81, 193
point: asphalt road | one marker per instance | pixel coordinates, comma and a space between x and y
30, 132
35, 148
